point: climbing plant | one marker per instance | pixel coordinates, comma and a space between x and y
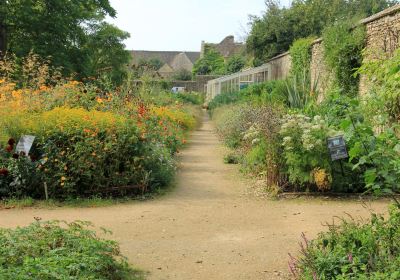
300, 52
343, 47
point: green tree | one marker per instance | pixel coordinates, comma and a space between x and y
182, 75
212, 63
153, 63
105, 52
235, 64
61, 29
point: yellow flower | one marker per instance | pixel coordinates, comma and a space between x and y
63, 178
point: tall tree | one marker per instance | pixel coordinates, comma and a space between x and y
3, 27
61, 29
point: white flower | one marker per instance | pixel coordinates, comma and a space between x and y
255, 141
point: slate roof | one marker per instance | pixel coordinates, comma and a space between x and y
165, 56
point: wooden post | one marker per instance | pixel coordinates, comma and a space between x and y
46, 193
3, 40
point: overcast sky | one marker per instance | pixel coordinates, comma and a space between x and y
181, 25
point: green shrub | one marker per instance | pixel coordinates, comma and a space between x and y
255, 160
271, 92
232, 158
54, 250
228, 125
190, 97
305, 151
253, 131
352, 250
223, 99
300, 93
81, 153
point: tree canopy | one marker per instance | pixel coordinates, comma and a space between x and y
72, 32
275, 31
212, 63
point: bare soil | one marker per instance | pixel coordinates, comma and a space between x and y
210, 226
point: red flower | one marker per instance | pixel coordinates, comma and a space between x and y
9, 148
11, 142
33, 158
4, 172
142, 110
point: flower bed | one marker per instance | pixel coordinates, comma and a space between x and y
87, 142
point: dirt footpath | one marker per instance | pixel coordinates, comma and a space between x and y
208, 227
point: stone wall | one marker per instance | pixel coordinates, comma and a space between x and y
383, 34
321, 76
280, 66
383, 38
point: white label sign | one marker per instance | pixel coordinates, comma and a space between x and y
25, 144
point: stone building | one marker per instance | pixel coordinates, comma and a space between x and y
227, 47
172, 61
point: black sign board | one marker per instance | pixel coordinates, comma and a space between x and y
337, 148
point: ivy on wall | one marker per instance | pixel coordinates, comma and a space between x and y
301, 53
343, 46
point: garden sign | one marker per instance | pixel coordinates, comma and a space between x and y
337, 148
25, 144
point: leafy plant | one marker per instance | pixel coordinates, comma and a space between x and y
352, 250
231, 158
60, 250
182, 75
382, 74
212, 63
235, 64
300, 54
305, 149
300, 93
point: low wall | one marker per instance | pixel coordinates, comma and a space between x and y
280, 66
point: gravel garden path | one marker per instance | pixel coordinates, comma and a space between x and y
211, 226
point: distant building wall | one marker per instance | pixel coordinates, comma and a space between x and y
227, 47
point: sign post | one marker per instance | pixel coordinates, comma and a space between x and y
337, 149
25, 144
